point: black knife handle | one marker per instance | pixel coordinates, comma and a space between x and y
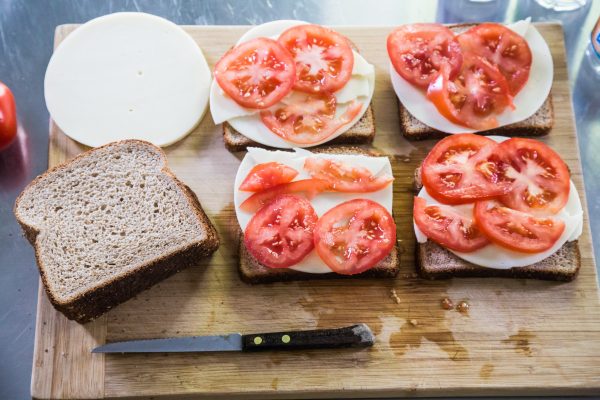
350, 336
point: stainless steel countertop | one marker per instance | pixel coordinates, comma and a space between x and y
26, 36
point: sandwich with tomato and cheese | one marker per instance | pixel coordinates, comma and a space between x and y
489, 78
308, 215
496, 206
289, 84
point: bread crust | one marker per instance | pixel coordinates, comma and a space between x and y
235, 141
251, 271
95, 301
419, 131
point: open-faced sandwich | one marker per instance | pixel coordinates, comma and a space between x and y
488, 78
493, 206
306, 215
292, 84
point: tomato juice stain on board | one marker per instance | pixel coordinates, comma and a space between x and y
411, 336
521, 342
425, 320
486, 371
329, 314
275, 359
212, 318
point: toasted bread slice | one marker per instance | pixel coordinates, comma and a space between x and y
363, 132
109, 224
539, 124
253, 272
436, 262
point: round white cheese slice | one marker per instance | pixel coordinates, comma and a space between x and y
498, 257
323, 202
127, 76
526, 102
247, 121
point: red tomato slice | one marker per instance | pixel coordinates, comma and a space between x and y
280, 234
8, 117
324, 58
345, 178
308, 118
266, 175
308, 188
475, 97
445, 226
354, 236
257, 73
503, 48
462, 168
418, 51
517, 230
541, 180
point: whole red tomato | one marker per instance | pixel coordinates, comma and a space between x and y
8, 117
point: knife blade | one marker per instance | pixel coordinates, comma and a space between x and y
358, 335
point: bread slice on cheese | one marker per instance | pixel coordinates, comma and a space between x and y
253, 272
436, 262
109, 224
539, 124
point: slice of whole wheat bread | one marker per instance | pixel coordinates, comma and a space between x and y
363, 132
539, 124
436, 262
253, 272
109, 224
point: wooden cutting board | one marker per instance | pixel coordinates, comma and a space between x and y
520, 337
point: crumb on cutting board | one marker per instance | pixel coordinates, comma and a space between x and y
394, 296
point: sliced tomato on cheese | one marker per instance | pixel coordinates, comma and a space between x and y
257, 73
308, 118
266, 175
463, 168
280, 234
307, 188
447, 227
503, 48
475, 97
540, 178
324, 58
344, 177
354, 236
418, 52
517, 230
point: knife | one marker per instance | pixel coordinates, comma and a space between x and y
359, 335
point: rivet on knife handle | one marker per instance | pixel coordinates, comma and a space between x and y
351, 336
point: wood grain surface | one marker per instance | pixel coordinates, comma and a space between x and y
519, 337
